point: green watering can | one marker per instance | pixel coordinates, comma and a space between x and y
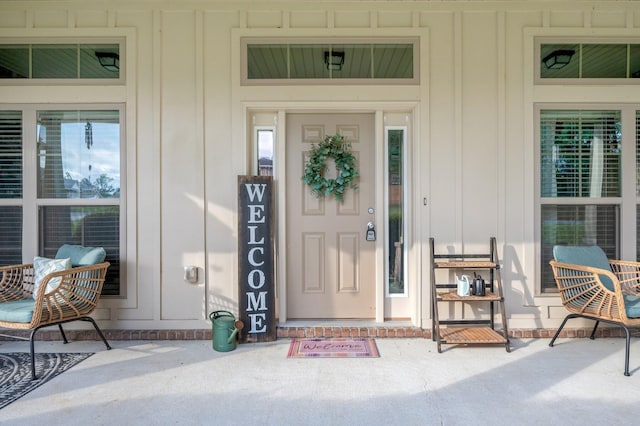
225, 328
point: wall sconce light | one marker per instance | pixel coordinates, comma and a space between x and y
110, 61
334, 60
558, 59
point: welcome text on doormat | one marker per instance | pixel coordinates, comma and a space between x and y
333, 348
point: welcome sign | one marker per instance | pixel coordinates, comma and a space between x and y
255, 258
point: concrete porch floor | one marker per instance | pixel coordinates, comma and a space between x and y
576, 382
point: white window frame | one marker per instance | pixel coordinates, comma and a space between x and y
31, 203
628, 199
255, 154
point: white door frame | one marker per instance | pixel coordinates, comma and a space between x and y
378, 109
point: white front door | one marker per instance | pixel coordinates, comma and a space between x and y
330, 264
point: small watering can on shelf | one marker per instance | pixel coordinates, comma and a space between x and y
478, 285
464, 286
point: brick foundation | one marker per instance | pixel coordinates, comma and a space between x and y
303, 332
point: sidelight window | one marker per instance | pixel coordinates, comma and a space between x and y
396, 221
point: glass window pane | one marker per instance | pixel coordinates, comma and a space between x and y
580, 153
594, 60
267, 61
14, 61
10, 154
638, 155
11, 232
55, 61
265, 152
395, 192
357, 61
638, 233
99, 61
577, 225
560, 61
393, 61
94, 226
634, 60
60, 61
330, 61
604, 61
307, 61
79, 154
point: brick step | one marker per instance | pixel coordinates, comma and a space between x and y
347, 331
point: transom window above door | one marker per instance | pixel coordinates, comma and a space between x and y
586, 61
338, 61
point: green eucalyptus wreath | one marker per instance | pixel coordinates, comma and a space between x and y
332, 147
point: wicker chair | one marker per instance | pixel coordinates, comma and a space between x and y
74, 299
593, 287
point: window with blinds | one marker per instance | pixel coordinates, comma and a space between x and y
637, 156
79, 158
591, 224
11, 232
11, 154
10, 187
580, 182
580, 153
638, 232
92, 226
78, 154
74, 183
637, 174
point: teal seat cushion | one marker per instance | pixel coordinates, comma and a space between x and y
17, 311
592, 256
81, 255
632, 305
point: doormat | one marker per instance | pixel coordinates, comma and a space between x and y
333, 348
15, 372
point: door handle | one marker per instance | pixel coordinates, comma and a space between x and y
371, 232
